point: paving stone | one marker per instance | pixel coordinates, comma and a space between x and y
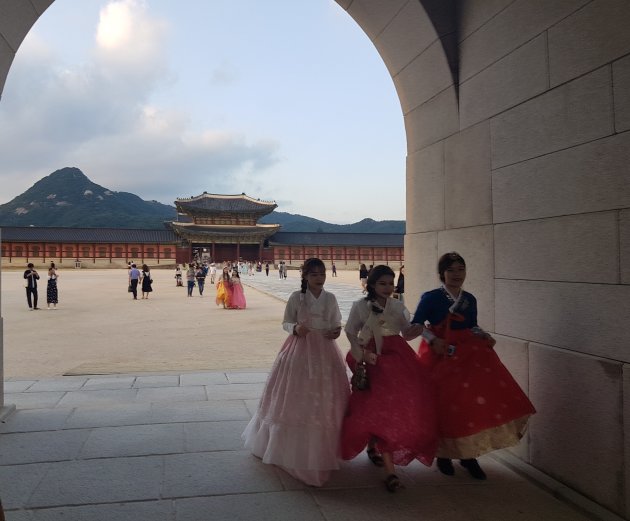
213, 436
117, 414
134, 440
157, 381
98, 397
35, 420
188, 379
19, 515
33, 447
95, 481
141, 511
17, 483
172, 394
247, 378
111, 382
57, 384
17, 386
277, 506
217, 473
252, 406
235, 391
199, 411
27, 400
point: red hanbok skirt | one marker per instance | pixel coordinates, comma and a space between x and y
398, 410
480, 406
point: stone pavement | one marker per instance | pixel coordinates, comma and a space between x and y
166, 446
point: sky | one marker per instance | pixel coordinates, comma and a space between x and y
283, 100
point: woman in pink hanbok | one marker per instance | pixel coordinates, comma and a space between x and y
298, 422
237, 298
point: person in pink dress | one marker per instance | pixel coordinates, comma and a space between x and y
237, 300
396, 417
298, 422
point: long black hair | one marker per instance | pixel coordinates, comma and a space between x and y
310, 265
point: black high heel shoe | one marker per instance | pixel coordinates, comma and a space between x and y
445, 465
375, 457
473, 468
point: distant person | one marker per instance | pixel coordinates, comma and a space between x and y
267, 269
400, 285
237, 300
134, 277
52, 294
284, 270
146, 281
178, 276
223, 288
363, 276
280, 269
213, 272
334, 270
30, 283
200, 276
190, 279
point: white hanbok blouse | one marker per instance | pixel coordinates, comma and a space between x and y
321, 313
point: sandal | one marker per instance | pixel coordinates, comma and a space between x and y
375, 457
392, 483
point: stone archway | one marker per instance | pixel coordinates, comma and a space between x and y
517, 118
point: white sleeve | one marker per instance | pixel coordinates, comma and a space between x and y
352, 329
290, 313
335, 313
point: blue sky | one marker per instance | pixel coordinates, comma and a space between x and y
279, 99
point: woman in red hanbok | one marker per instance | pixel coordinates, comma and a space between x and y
481, 408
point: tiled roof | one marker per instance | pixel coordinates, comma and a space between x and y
227, 229
393, 240
93, 235
213, 203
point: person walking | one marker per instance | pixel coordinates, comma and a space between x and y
363, 275
237, 295
134, 277
400, 285
481, 408
52, 293
396, 417
146, 281
334, 270
213, 273
178, 276
190, 278
200, 276
30, 283
299, 417
267, 269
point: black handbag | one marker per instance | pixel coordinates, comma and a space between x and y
130, 289
359, 378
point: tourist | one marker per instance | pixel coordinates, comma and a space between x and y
298, 420
200, 276
280, 269
223, 288
134, 277
237, 296
52, 293
363, 275
400, 285
334, 270
480, 406
30, 283
146, 281
190, 278
213, 272
178, 276
396, 417
284, 270
267, 269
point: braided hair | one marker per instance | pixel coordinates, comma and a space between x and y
376, 273
308, 266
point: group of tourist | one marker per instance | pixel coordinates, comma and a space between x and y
30, 283
139, 278
453, 399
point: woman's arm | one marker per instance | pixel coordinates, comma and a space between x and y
352, 329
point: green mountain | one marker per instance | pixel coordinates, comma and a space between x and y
67, 198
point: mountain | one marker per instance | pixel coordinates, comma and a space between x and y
67, 198
300, 223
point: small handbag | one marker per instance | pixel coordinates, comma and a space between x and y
359, 378
130, 289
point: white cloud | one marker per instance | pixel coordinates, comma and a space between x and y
98, 116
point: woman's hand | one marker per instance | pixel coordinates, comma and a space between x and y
332, 334
369, 357
413, 331
301, 330
438, 346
